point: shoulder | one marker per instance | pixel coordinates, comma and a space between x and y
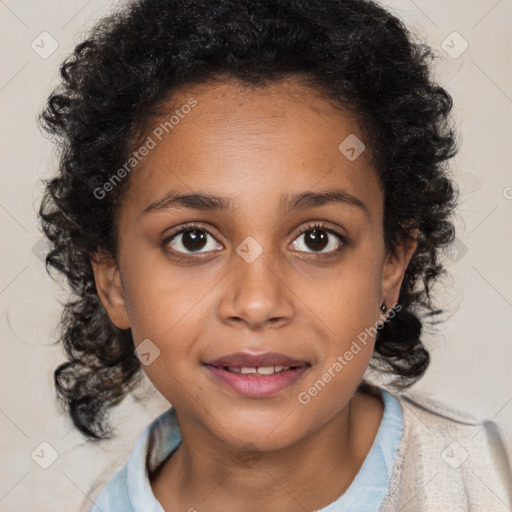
448, 458
439, 422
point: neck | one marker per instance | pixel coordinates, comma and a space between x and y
308, 475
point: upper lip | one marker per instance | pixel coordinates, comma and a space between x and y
252, 360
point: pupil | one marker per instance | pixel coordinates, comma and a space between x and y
194, 239
318, 239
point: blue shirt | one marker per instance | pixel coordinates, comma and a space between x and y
129, 489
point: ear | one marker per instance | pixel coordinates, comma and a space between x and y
107, 277
394, 269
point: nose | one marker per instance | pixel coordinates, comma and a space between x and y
256, 295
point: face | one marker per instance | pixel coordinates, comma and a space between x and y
276, 264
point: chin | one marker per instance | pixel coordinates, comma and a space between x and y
274, 432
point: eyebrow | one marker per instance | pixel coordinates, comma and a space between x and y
208, 202
306, 200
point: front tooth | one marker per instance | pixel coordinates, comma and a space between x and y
265, 370
247, 369
279, 368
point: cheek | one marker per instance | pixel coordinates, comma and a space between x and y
347, 306
346, 300
166, 305
169, 306
173, 332
162, 298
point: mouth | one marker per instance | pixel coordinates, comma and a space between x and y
257, 375
259, 370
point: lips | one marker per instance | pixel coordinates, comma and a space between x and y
266, 359
257, 375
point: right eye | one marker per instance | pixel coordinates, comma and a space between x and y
190, 239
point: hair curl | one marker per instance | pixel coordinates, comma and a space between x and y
356, 52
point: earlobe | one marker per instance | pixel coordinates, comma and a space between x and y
107, 278
394, 270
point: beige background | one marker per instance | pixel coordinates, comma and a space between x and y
471, 353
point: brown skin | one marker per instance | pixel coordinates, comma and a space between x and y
255, 146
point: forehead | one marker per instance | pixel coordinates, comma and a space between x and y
243, 142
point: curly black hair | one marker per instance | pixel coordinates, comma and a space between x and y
358, 54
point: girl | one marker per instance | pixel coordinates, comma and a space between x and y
251, 204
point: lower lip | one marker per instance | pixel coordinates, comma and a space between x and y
257, 385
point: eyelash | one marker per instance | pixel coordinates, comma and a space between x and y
190, 226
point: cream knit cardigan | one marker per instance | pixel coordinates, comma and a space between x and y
447, 461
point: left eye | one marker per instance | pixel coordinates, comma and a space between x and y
318, 238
